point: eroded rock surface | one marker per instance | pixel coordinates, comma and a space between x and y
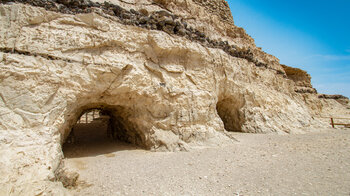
301, 78
175, 73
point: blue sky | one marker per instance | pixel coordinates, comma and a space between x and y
308, 34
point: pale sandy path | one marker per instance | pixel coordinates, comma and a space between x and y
310, 164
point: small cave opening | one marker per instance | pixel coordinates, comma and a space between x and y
101, 131
230, 114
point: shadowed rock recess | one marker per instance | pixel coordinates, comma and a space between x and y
176, 74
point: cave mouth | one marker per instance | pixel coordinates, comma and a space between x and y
230, 114
100, 131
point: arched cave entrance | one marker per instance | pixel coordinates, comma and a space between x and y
100, 130
230, 113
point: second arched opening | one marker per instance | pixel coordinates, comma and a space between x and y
229, 110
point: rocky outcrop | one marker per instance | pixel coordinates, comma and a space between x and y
174, 74
340, 98
324, 96
301, 79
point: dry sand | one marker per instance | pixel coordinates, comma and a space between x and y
310, 164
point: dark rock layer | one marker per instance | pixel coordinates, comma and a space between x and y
324, 96
159, 20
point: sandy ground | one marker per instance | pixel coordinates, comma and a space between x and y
308, 164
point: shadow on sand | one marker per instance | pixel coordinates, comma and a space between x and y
91, 140
96, 148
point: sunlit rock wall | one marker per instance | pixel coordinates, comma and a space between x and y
178, 73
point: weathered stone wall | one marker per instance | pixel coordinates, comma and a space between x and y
172, 90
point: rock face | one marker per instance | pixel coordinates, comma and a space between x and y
176, 74
301, 78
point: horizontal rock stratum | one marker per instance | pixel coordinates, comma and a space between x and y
178, 74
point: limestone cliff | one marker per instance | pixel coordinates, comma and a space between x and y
301, 78
178, 74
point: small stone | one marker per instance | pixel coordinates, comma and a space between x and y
168, 29
144, 20
200, 34
201, 39
125, 15
106, 4
134, 12
169, 21
64, 2
143, 12
163, 13
181, 32
95, 4
118, 10
190, 29
153, 26
161, 24
83, 4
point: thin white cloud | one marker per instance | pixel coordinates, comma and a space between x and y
329, 57
333, 88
